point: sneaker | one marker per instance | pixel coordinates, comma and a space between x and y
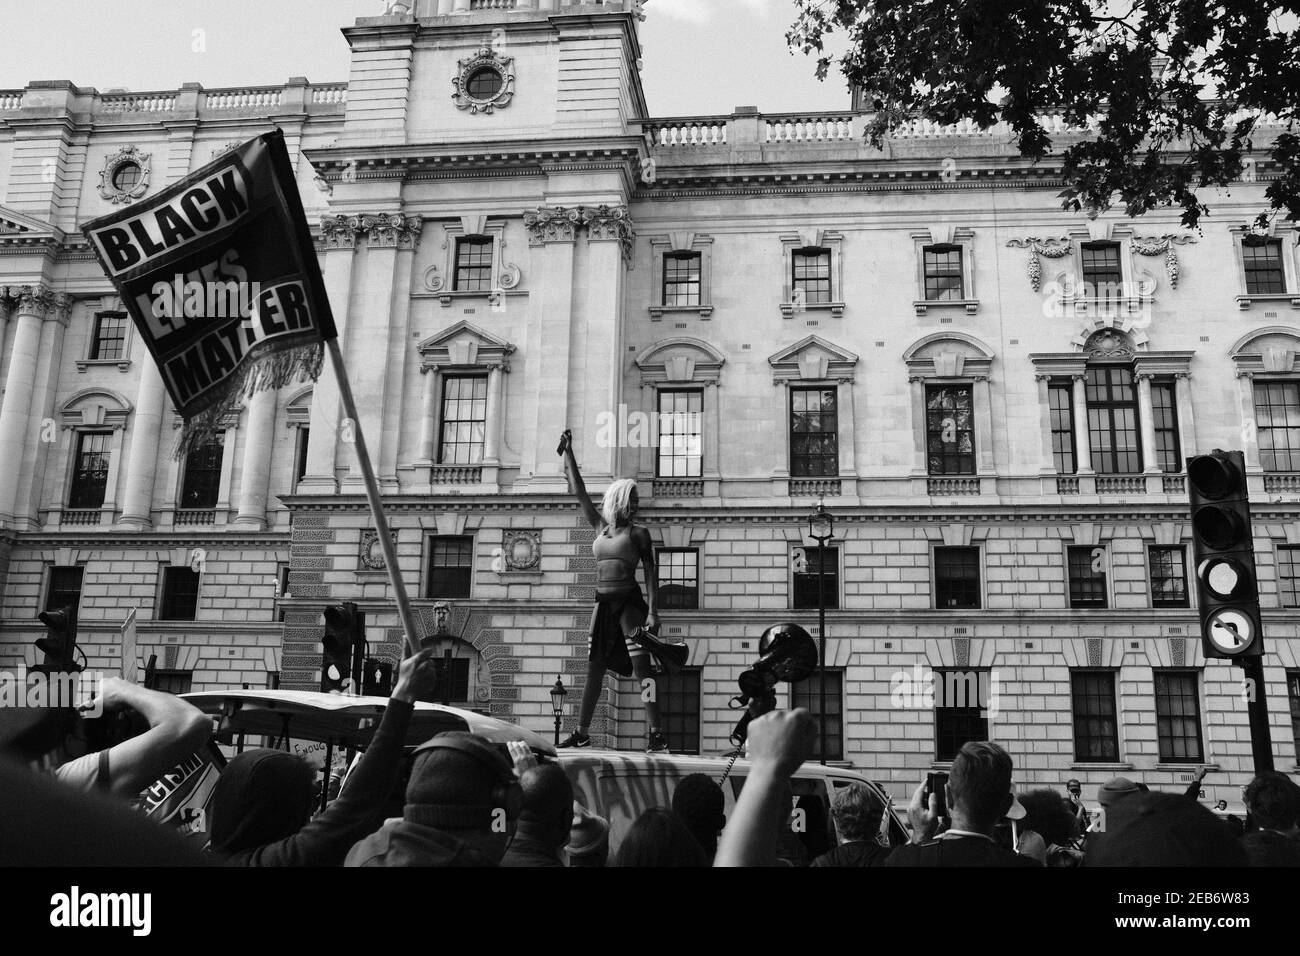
576, 739
658, 743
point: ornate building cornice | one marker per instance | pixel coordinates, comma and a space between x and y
40, 300
382, 230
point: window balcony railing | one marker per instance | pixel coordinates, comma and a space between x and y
936, 487
188, 517
1121, 485
457, 474
678, 488
814, 487
1174, 484
1067, 485
80, 516
1282, 483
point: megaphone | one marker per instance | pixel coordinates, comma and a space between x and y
786, 652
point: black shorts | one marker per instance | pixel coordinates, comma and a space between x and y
607, 642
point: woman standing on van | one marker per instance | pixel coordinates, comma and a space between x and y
620, 609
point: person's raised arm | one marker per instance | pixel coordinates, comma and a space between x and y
176, 729
577, 487
647, 551
778, 743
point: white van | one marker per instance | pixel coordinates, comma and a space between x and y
620, 786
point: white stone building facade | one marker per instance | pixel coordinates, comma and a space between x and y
993, 398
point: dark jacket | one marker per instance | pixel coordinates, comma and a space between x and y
527, 850
956, 852
855, 853
403, 843
256, 805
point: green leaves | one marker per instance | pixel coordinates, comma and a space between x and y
1169, 80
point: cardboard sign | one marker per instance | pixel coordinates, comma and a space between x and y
220, 277
180, 797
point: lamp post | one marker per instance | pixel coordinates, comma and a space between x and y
821, 528
558, 693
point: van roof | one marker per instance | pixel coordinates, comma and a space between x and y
348, 721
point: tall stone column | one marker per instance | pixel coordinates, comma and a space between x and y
428, 416
492, 436
6, 308
553, 231
920, 456
596, 368
137, 499
848, 427
983, 399
255, 472
33, 303
1082, 454
340, 236
1246, 398
49, 367
1186, 420
1147, 425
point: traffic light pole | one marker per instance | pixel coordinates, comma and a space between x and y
1261, 741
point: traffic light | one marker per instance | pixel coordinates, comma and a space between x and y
60, 644
377, 678
1224, 557
345, 635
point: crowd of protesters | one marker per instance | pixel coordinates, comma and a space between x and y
443, 805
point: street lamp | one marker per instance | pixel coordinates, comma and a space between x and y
821, 528
558, 693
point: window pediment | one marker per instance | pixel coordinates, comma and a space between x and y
948, 355
812, 358
680, 360
1271, 349
96, 408
464, 346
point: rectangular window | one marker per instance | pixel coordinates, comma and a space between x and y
180, 594
1096, 722
1263, 261
814, 442
464, 420
809, 564
1277, 420
1060, 399
108, 342
64, 588
1178, 716
678, 578
1087, 569
452, 682
173, 682
1169, 453
451, 566
679, 709
811, 275
1102, 276
1293, 694
202, 484
473, 264
90, 471
943, 275
958, 719
956, 578
680, 438
807, 694
300, 455
1288, 575
1168, 576
681, 278
1113, 420
950, 429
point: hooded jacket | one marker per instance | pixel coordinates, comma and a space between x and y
263, 798
403, 843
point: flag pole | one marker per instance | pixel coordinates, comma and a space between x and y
372, 495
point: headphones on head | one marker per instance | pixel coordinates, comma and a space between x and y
506, 792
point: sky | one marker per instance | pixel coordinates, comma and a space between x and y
702, 57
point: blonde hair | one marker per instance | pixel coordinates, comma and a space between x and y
618, 499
